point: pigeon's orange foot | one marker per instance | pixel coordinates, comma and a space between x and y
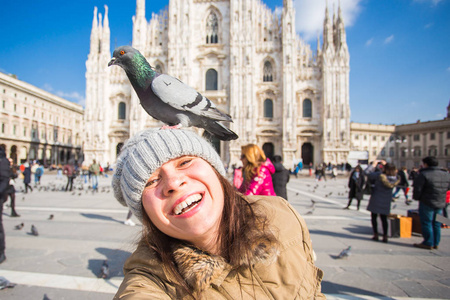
178, 126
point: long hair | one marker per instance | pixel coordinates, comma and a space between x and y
255, 158
235, 244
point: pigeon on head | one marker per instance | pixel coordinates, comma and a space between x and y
169, 100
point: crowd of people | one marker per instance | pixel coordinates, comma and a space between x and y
200, 229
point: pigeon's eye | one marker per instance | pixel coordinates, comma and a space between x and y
122, 52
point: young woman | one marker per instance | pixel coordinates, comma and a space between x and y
201, 239
257, 171
383, 181
356, 184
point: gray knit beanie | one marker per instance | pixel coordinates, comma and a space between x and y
148, 150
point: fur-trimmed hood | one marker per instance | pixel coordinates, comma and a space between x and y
200, 269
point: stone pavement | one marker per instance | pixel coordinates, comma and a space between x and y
64, 261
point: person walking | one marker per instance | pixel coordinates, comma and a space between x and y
257, 172
94, 169
380, 200
430, 189
201, 239
69, 171
5, 174
280, 178
27, 177
403, 185
356, 184
11, 191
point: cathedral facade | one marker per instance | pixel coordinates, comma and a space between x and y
282, 95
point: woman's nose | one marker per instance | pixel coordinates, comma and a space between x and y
173, 182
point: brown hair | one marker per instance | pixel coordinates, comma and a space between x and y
255, 157
235, 244
389, 169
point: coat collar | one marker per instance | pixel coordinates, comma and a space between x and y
200, 268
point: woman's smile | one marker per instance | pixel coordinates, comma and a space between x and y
183, 206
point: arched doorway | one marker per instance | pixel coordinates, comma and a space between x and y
307, 154
268, 149
13, 154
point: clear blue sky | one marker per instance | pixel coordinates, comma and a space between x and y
399, 50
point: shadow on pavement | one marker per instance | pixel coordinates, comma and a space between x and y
363, 233
100, 217
116, 258
334, 288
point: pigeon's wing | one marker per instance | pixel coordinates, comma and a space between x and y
183, 97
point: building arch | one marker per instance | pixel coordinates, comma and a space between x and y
269, 150
212, 26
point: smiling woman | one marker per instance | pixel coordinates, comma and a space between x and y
202, 239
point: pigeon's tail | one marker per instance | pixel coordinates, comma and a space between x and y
220, 131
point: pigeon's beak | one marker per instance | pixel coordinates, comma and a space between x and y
112, 62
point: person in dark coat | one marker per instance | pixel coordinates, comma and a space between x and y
380, 200
280, 178
27, 177
430, 189
356, 184
11, 191
5, 173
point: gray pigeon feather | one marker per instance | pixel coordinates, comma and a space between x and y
169, 100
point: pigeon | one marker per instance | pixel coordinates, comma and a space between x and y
19, 227
5, 283
51, 217
45, 297
169, 100
104, 273
344, 253
311, 211
313, 203
34, 230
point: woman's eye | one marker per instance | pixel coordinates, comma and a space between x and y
151, 182
185, 162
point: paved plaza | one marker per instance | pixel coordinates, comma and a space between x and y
65, 260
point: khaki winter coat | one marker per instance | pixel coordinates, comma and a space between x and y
284, 271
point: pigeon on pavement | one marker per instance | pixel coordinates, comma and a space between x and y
34, 230
51, 217
344, 253
104, 273
169, 100
18, 227
5, 283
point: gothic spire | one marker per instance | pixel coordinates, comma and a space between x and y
106, 33
94, 33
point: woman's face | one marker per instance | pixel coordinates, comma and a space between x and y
184, 199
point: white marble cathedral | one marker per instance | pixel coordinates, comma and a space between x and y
243, 56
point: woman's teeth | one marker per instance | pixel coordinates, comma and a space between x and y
187, 204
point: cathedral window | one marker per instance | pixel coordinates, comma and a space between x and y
268, 108
391, 152
212, 29
122, 109
211, 80
267, 73
307, 108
